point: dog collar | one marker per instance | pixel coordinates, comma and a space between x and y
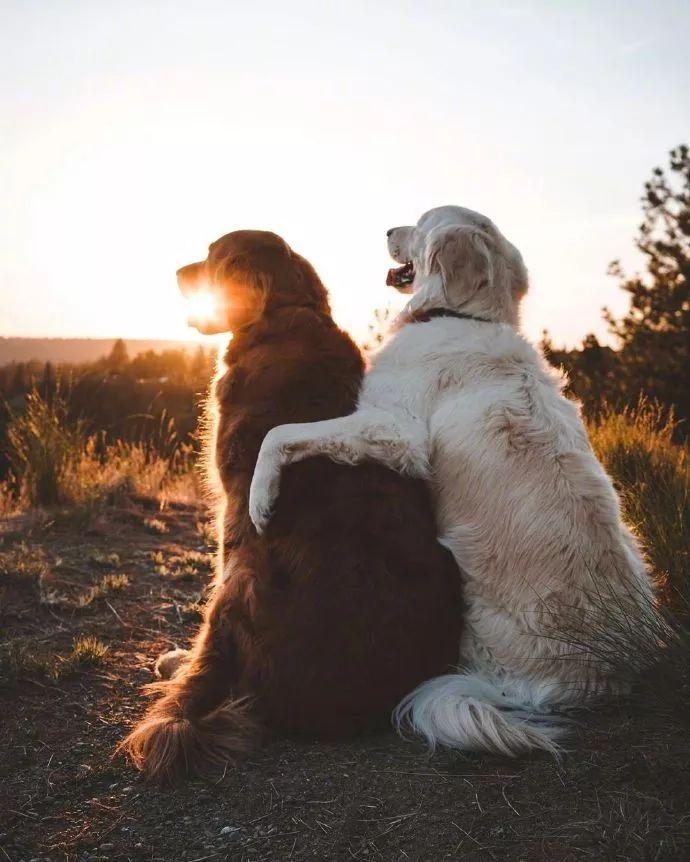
430, 313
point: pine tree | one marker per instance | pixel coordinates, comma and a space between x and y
118, 356
654, 334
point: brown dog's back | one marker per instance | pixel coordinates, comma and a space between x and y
352, 600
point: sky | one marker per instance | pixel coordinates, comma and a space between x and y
132, 134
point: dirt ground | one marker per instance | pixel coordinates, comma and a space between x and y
621, 793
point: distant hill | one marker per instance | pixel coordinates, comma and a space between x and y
78, 349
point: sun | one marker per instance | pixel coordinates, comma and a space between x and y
202, 306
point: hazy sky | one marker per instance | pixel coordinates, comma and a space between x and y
134, 133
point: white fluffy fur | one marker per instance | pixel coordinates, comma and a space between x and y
521, 500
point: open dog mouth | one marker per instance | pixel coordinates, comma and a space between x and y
400, 276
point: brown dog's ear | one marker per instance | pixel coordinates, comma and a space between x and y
462, 258
308, 288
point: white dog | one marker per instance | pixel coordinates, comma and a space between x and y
460, 397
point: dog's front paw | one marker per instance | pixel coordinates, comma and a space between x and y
264, 490
168, 664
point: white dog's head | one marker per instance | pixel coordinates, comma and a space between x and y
456, 258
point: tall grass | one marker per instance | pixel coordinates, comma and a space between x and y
56, 462
44, 447
652, 474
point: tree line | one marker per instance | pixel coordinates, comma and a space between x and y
651, 358
154, 398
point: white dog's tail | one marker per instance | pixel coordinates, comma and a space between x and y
467, 711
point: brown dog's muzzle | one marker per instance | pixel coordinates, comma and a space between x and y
207, 306
188, 277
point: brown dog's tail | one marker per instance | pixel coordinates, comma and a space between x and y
194, 728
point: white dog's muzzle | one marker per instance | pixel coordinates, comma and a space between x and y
400, 249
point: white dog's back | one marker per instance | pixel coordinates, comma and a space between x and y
534, 523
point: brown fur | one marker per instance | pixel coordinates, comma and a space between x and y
320, 626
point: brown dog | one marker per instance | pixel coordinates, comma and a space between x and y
348, 602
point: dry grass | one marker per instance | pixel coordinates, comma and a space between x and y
182, 566
652, 474
8, 500
56, 462
192, 611
208, 531
105, 560
87, 651
26, 658
27, 568
23, 563
107, 585
23, 658
44, 448
126, 470
155, 525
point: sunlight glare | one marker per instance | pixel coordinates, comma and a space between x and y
202, 306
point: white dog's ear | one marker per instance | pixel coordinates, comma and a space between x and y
462, 258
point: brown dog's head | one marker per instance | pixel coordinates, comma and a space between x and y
248, 273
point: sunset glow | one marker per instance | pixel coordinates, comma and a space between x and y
125, 155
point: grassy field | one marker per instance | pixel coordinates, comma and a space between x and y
94, 586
